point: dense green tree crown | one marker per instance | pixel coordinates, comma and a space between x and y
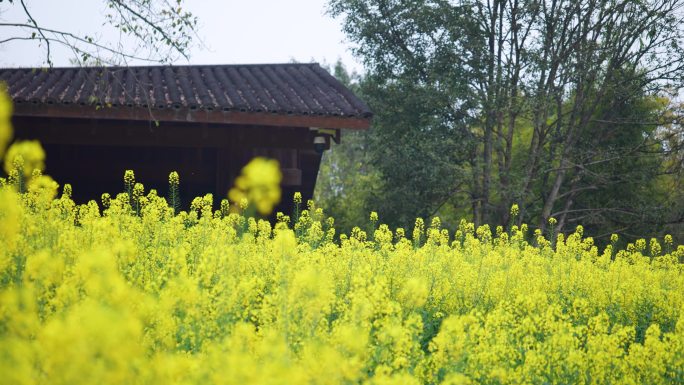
563, 107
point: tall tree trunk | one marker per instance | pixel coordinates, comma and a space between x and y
490, 110
512, 107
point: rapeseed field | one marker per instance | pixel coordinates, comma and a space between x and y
132, 290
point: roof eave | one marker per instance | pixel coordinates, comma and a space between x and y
190, 115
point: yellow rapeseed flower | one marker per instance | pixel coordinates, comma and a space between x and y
129, 178
515, 210
28, 153
373, 216
10, 214
43, 188
157, 297
5, 119
259, 184
174, 179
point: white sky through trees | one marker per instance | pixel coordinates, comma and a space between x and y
232, 32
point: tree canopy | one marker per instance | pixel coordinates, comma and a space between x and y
564, 107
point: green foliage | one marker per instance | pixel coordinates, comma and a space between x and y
348, 178
408, 165
479, 105
621, 160
419, 150
347, 181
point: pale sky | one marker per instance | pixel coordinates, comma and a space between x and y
233, 31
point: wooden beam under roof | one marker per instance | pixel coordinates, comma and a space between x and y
188, 115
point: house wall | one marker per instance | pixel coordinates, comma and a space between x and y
92, 155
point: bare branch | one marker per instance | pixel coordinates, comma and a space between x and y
35, 24
66, 42
160, 27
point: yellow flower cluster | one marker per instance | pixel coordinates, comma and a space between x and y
118, 296
174, 179
138, 292
5, 116
259, 185
27, 155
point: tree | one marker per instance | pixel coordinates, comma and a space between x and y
527, 79
418, 146
614, 182
348, 178
355, 175
150, 31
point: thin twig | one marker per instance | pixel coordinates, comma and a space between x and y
40, 30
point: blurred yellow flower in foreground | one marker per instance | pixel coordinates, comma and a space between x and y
43, 188
259, 184
29, 153
5, 122
10, 213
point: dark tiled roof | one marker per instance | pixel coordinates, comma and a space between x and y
291, 89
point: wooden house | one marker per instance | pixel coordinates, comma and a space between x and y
204, 121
